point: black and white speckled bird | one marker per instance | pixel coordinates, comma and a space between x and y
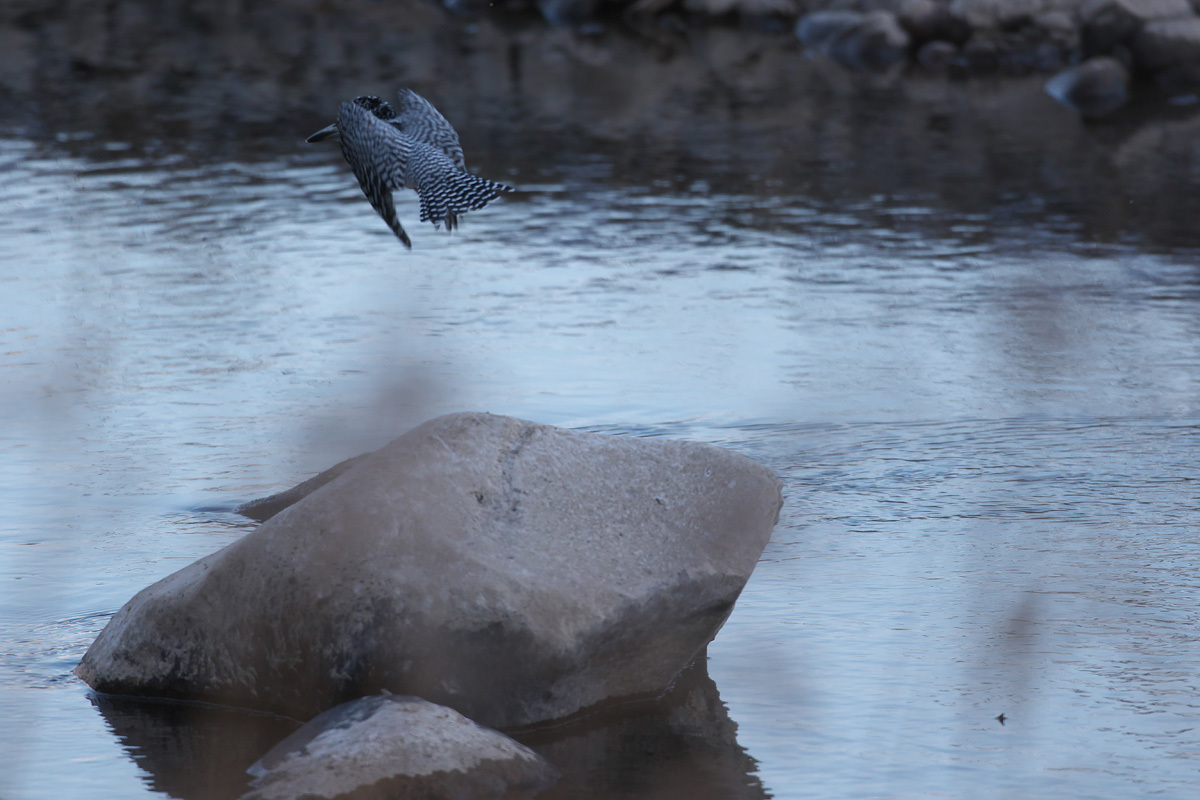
414, 147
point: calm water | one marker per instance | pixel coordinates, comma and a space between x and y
974, 362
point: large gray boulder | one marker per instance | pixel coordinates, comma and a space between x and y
390, 746
513, 571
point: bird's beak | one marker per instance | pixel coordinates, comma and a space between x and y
324, 133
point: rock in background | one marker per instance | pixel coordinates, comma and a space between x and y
513, 571
1096, 87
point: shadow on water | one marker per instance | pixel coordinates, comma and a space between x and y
191, 750
682, 744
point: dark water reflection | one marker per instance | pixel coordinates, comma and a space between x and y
682, 744
709, 110
189, 750
959, 323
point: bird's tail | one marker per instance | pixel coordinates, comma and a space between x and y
456, 193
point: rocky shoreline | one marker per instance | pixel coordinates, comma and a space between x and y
282, 58
1099, 47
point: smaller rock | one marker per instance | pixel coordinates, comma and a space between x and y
1181, 76
748, 8
568, 13
1168, 44
1058, 27
1049, 57
388, 746
996, 13
1097, 87
818, 29
927, 20
1122, 53
1107, 23
873, 40
876, 43
982, 52
937, 55
921, 18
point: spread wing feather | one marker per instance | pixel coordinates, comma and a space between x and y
419, 119
422, 154
377, 153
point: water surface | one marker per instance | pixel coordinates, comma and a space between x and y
968, 343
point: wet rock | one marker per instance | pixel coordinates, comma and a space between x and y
513, 571
874, 40
1180, 77
928, 20
568, 12
389, 746
982, 52
875, 43
1168, 45
749, 8
937, 55
996, 13
1048, 57
820, 28
1058, 27
1094, 88
1107, 23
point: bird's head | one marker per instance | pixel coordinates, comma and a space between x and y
377, 106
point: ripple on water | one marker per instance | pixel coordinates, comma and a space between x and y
987, 439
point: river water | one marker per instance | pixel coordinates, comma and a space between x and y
962, 326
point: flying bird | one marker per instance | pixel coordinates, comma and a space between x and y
408, 145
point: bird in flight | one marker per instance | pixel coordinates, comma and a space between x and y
408, 145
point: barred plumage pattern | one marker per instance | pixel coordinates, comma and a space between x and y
419, 119
414, 148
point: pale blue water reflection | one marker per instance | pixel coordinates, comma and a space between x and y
988, 436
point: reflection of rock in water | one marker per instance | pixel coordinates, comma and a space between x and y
189, 750
682, 745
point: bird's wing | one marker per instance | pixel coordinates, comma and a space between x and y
419, 119
378, 154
